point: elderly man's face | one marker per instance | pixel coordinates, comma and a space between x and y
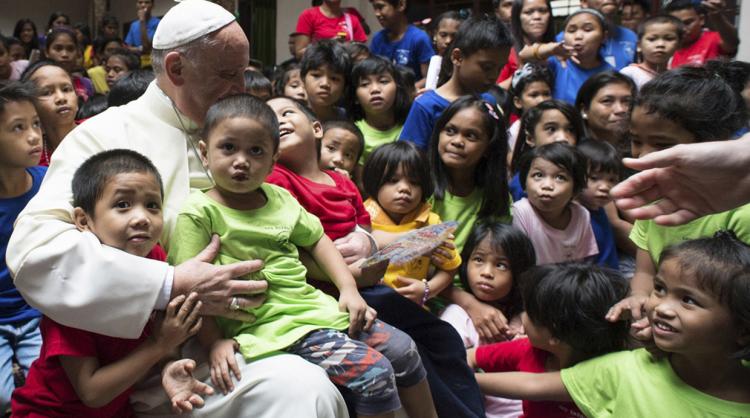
216, 73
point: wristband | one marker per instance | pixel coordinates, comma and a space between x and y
426, 294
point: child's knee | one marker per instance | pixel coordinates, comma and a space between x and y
402, 353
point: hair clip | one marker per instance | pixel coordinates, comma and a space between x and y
520, 74
491, 110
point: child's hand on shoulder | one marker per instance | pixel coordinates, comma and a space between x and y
181, 321
222, 361
411, 289
361, 316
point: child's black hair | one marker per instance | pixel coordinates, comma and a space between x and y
347, 126
34, 44
720, 266
697, 99
735, 73
645, 5
282, 76
600, 156
5, 43
531, 118
386, 159
58, 32
570, 300
100, 44
677, 5
503, 99
490, 173
255, 80
329, 53
242, 105
355, 49
129, 87
661, 19
530, 73
517, 30
447, 15
107, 20
54, 15
593, 12
32, 68
93, 106
16, 91
475, 34
376, 65
518, 250
90, 179
560, 154
131, 60
597, 82
408, 78
85, 31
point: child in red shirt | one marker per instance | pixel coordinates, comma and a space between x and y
699, 45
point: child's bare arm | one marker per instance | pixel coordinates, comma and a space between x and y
97, 386
416, 290
471, 357
528, 386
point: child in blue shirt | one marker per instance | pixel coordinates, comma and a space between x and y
399, 41
20, 177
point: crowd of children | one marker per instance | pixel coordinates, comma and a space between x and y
520, 143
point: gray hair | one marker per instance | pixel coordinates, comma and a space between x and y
191, 50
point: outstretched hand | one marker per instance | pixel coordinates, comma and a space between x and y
184, 391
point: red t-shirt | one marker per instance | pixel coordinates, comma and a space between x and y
510, 67
313, 23
339, 208
706, 48
48, 391
520, 356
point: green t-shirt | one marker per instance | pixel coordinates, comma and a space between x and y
633, 384
271, 233
375, 138
649, 236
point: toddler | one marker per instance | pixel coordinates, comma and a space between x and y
531, 85
287, 82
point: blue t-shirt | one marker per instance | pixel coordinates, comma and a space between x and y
619, 49
423, 114
516, 191
413, 49
568, 80
605, 239
133, 37
12, 306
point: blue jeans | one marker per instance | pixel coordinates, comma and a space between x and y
20, 341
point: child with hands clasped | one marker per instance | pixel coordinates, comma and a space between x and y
240, 146
117, 196
495, 256
397, 179
700, 315
559, 227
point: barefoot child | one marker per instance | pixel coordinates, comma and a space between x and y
117, 197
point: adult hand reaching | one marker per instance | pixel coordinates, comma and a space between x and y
687, 181
217, 286
354, 246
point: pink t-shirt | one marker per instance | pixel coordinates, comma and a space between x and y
553, 245
313, 23
521, 356
706, 48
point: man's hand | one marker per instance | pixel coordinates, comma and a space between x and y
183, 390
353, 247
217, 285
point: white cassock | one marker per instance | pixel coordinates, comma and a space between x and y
76, 281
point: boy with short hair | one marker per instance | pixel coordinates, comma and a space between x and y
117, 195
341, 147
325, 70
400, 41
633, 12
699, 45
20, 177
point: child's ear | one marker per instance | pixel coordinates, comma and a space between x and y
81, 219
401, 7
203, 148
317, 130
530, 141
517, 102
456, 57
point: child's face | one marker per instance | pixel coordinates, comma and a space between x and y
17, 52
297, 132
294, 87
109, 31
549, 187
685, 318
533, 94
596, 193
534, 19
20, 135
399, 195
339, 149
128, 215
116, 69
504, 10
323, 86
385, 12
488, 272
239, 153
57, 103
659, 43
462, 142
4, 58
631, 16
649, 132
376, 93
479, 71
110, 48
60, 22
693, 22
63, 51
445, 33
553, 126
585, 34
609, 111
27, 33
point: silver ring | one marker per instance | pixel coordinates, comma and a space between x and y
234, 305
